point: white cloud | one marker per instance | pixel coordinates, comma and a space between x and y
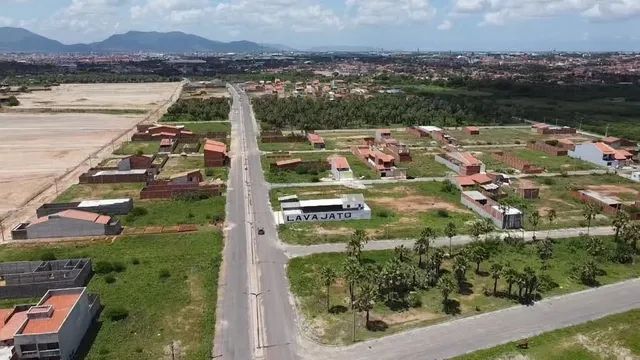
445, 25
394, 12
498, 12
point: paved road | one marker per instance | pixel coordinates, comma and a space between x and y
302, 250
233, 339
491, 329
277, 314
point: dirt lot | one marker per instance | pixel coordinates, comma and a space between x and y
145, 96
35, 148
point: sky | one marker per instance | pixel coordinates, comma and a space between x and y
481, 25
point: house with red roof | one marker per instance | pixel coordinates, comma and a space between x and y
340, 168
68, 223
316, 141
215, 153
601, 154
463, 163
472, 130
51, 329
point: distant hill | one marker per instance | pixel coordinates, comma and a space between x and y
21, 40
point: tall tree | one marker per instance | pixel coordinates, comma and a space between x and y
460, 265
366, 299
631, 235
551, 217
353, 272
450, 231
531, 283
534, 220
496, 274
619, 222
328, 277
421, 247
510, 276
446, 285
402, 253
478, 253
477, 229
589, 213
356, 243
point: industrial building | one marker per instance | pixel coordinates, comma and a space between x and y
347, 207
67, 223
504, 217
601, 154
104, 207
52, 329
30, 279
111, 176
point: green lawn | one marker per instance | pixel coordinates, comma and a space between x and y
553, 163
177, 165
423, 164
491, 136
205, 127
335, 328
180, 307
288, 146
133, 147
398, 211
78, 192
177, 212
595, 340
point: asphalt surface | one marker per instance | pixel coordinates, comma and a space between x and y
304, 250
466, 335
277, 313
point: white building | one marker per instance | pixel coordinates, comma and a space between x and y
347, 207
600, 154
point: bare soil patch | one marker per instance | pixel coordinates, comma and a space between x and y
407, 317
414, 203
612, 190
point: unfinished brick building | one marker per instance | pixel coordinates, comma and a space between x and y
215, 154
551, 147
188, 183
515, 162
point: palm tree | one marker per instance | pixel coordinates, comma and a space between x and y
352, 272
496, 273
620, 222
510, 276
477, 229
534, 219
450, 231
589, 213
328, 277
366, 299
421, 247
551, 217
531, 282
446, 286
402, 253
356, 243
487, 226
460, 265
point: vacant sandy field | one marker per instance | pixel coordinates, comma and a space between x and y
35, 148
99, 96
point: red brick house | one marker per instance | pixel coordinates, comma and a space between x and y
215, 153
472, 130
316, 140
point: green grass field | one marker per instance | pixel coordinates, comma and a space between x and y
423, 164
133, 147
335, 328
612, 337
553, 163
289, 146
491, 136
177, 212
360, 169
205, 127
398, 211
180, 307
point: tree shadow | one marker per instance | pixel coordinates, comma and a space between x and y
482, 273
377, 325
465, 288
451, 307
338, 309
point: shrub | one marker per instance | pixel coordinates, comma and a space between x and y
135, 261
517, 142
164, 274
48, 256
209, 172
448, 187
13, 101
103, 267
116, 313
109, 279
315, 179
384, 213
548, 181
414, 300
443, 213
138, 211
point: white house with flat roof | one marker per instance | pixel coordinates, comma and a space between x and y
346, 207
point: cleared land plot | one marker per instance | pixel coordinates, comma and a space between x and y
206, 93
555, 193
132, 96
134, 147
79, 192
492, 136
288, 146
360, 169
470, 299
176, 165
423, 164
614, 337
169, 288
552, 163
398, 211
36, 148
349, 138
